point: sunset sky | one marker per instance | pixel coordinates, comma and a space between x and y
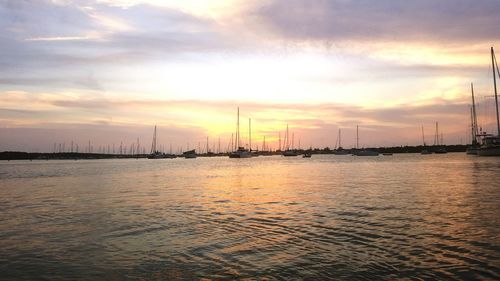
109, 70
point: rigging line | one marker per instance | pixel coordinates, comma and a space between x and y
496, 64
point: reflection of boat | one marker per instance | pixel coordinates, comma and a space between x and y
240, 152
491, 144
190, 154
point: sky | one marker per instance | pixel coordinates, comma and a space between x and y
108, 71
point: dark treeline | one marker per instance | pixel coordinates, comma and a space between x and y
17, 155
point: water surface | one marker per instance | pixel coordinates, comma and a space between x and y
274, 218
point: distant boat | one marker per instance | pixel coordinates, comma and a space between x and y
155, 154
425, 151
440, 150
387, 154
438, 147
240, 152
474, 147
366, 152
338, 149
363, 152
289, 152
491, 144
190, 154
307, 155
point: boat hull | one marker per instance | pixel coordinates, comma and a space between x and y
366, 153
472, 151
489, 151
240, 154
290, 153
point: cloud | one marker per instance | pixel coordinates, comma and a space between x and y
388, 20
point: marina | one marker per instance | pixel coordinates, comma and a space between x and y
243, 140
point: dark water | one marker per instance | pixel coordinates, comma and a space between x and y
271, 218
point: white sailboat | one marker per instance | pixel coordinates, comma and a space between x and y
239, 152
491, 143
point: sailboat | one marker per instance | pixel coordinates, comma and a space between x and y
425, 151
363, 152
265, 149
491, 143
289, 152
438, 148
240, 151
339, 150
472, 149
190, 154
155, 154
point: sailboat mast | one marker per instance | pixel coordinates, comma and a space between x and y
357, 136
473, 140
232, 141
423, 136
238, 129
287, 138
340, 139
493, 59
153, 144
436, 137
250, 134
279, 140
474, 116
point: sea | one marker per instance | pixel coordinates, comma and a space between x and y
399, 217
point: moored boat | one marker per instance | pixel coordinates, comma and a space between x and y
190, 154
290, 152
491, 144
366, 152
363, 152
240, 151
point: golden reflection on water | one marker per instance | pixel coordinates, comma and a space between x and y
269, 217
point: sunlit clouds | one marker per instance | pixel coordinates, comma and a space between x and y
123, 66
